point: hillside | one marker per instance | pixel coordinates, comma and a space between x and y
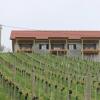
48, 77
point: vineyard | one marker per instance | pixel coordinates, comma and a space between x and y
47, 77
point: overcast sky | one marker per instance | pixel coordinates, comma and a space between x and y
49, 14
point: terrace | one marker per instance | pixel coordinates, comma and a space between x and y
58, 47
25, 46
90, 47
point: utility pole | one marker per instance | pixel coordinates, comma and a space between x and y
0, 34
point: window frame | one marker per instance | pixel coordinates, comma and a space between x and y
40, 46
74, 46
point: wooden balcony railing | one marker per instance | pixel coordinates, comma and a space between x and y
90, 51
28, 50
58, 51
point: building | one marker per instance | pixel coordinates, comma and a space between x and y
85, 44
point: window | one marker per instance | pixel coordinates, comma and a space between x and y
72, 46
47, 47
39, 46
43, 46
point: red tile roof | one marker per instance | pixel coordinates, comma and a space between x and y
55, 34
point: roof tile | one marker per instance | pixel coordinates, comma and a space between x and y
57, 34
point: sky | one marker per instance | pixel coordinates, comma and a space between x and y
48, 15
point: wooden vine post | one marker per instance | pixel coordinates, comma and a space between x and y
87, 89
77, 81
69, 84
33, 84
14, 77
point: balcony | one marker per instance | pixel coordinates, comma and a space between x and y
90, 51
27, 50
58, 51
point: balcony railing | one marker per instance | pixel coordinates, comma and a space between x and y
90, 51
58, 51
28, 50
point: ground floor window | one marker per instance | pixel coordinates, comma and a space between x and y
72, 46
43, 46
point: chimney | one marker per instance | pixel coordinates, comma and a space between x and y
0, 34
